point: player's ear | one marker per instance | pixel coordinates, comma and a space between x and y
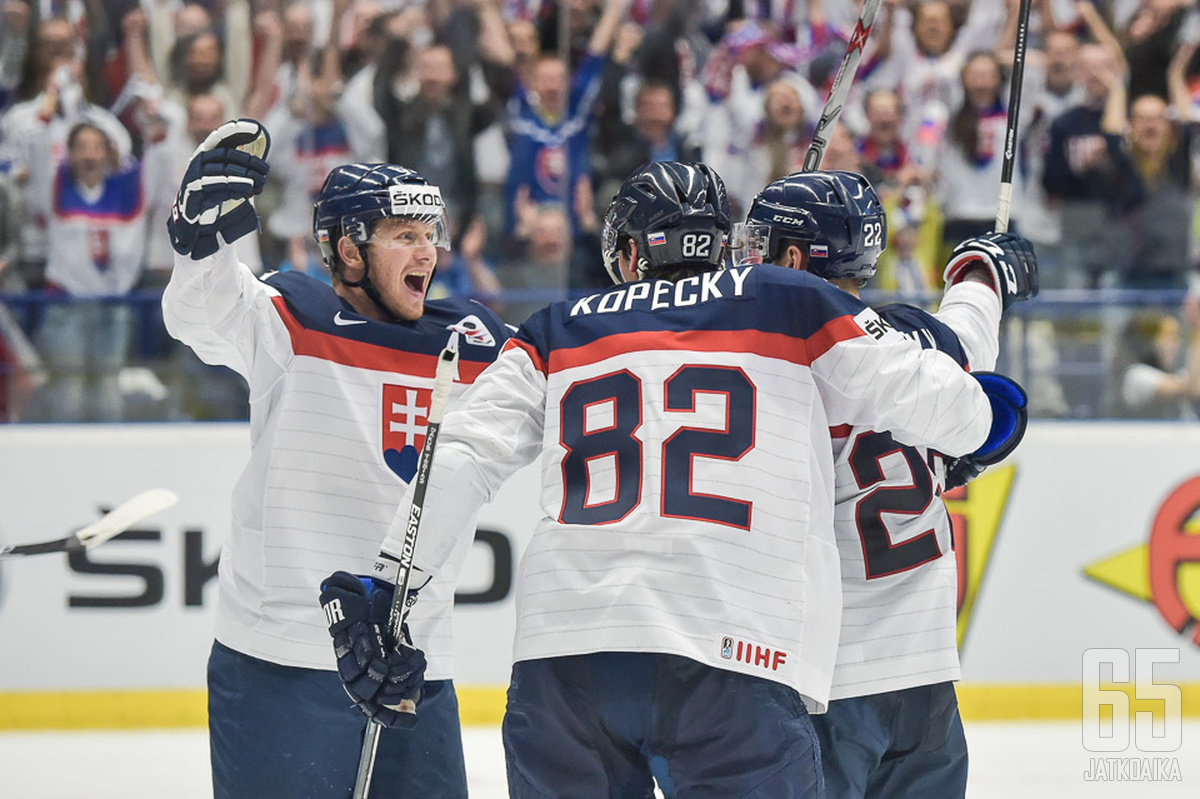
348, 254
797, 258
629, 258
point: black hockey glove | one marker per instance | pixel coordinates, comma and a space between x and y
226, 170
385, 685
1010, 417
1010, 259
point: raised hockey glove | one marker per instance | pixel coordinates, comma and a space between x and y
212, 207
1009, 258
378, 680
1010, 417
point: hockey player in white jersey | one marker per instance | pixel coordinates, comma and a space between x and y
340, 381
893, 729
678, 603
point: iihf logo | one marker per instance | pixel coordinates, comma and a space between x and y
740, 650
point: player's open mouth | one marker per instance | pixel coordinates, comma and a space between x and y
416, 281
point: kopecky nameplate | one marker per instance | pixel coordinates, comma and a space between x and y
416, 200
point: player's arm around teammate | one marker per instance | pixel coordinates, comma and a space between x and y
683, 421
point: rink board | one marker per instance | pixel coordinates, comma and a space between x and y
1087, 542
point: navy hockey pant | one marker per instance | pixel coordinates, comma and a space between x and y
280, 732
894, 745
605, 724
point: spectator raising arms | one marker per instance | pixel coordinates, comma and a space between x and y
650, 137
1089, 172
971, 160
97, 239
549, 122
33, 133
1161, 143
434, 129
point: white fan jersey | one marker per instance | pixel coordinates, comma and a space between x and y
899, 576
687, 476
338, 406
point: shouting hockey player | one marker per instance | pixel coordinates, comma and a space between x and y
893, 729
678, 603
339, 384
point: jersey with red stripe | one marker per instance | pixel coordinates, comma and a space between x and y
338, 406
687, 476
899, 577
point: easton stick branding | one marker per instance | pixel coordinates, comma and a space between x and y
410, 536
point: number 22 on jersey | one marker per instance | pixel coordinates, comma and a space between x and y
904, 504
680, 445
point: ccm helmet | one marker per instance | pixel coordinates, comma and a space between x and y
677, 213
837, 214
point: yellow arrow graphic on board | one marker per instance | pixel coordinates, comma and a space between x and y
1162, 571
976, 513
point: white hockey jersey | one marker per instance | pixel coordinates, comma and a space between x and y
40, 146
337, 419
899, 576
687, 477
97, 236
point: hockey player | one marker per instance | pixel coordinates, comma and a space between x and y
893, 729
340, 380
678, 603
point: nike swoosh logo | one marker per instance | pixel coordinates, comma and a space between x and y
341, 321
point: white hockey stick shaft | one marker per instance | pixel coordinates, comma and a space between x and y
1014, 110
442, 381
111, 524
840, 88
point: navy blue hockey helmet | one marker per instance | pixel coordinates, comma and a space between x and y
837, 214
677, 213
356, 195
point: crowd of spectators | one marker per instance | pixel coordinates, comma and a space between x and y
528, 114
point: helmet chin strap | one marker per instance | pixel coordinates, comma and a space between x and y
368, 287
643, 268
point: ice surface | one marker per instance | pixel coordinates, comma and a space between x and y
1007, 760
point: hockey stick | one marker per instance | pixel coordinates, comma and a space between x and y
443, 379
1014, 110
111, 524
841, 86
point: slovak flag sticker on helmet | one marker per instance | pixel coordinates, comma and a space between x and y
474, 331
818, 251
655, 239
